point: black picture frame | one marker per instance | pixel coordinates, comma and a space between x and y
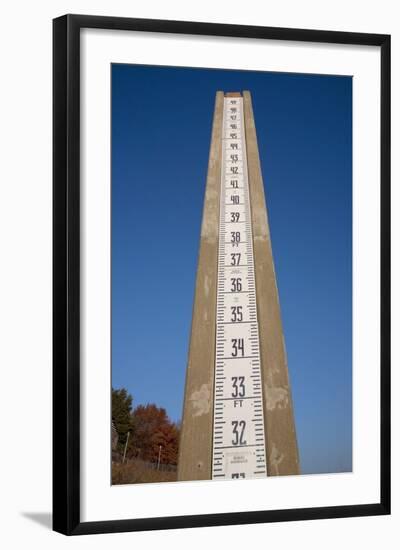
66, 273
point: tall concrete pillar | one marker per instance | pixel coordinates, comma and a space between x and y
198, 430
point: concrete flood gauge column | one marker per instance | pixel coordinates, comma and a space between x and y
238, 417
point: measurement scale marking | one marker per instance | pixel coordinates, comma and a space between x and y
238, 405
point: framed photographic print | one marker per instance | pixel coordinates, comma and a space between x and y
221, 274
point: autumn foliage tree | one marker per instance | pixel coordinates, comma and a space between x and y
152, 429
149, 427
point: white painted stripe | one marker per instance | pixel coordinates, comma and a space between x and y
238, 429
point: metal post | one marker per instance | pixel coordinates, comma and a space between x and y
126, 445
159, 457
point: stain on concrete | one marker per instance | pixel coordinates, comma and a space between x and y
207, 230
276, 397
207, 282
275, 459
262, 238
201, 400
211, 195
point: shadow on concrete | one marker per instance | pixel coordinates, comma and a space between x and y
45, 519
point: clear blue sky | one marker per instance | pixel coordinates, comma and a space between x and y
161, 127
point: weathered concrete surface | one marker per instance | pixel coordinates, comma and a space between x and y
195, 448
280, 432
